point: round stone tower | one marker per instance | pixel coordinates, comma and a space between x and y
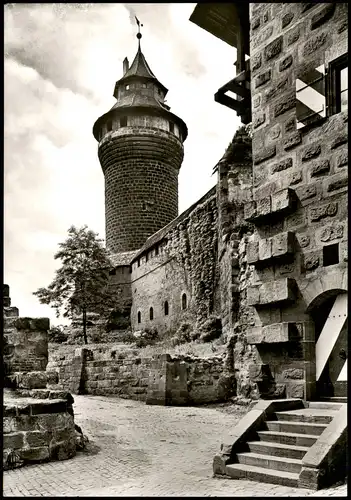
140, 151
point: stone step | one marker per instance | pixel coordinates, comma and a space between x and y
277, 449
287, 438
243, 471
335, 399
310, 415
269, 462
295, 427
325, 405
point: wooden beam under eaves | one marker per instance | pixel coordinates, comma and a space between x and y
242, 108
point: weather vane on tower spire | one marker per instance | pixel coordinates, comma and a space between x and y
139, 35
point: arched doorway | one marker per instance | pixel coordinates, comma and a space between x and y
329, 312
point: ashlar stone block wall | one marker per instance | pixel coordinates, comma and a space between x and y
299, 201
163, 379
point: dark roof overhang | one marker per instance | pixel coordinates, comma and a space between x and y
223, 20
130, 110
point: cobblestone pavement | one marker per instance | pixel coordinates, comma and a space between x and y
140, 450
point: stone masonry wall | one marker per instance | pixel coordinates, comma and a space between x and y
127, 374
186, 263
101, 370
141, 168
38, 429
38, 423
25, 344
186, 380
300, 189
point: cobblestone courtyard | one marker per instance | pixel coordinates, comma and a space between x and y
139, 450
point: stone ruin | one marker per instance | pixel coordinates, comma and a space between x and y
38, 423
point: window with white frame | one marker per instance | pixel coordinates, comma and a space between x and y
310, 97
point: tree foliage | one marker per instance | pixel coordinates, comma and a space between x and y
80, 285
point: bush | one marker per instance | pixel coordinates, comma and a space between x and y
118, 320
57, 335
210, 329
183, 335
127, 337
146, 337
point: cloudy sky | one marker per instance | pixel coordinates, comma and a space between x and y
61, 63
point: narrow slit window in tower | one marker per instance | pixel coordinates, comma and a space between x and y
184, 301
123, 121
171, 127
139, 317
330, 255
166, 308
151, 313
127, 87
156, 250
109, 126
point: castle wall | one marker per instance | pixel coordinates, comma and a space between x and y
126, 373
120, 286
186, 264
299, 188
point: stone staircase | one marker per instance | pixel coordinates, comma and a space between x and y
274, 450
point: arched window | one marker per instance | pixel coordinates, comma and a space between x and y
151, 313
184, 301
166, 308
139, 317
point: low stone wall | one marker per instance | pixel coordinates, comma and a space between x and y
125, 373
181, 380
37, 426
101, 371
69, 368
111, 372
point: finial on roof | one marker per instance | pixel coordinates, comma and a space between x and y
139, 35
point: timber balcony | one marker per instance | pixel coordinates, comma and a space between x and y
240, 86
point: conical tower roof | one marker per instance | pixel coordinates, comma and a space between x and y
140, 68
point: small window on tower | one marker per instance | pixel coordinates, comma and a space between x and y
139, 317
330, 255
166, 308
109, 126
171, 127
144, 85
127, 87
123, 121
184, 304
156, 250
151, 313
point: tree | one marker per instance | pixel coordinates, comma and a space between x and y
80, 285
